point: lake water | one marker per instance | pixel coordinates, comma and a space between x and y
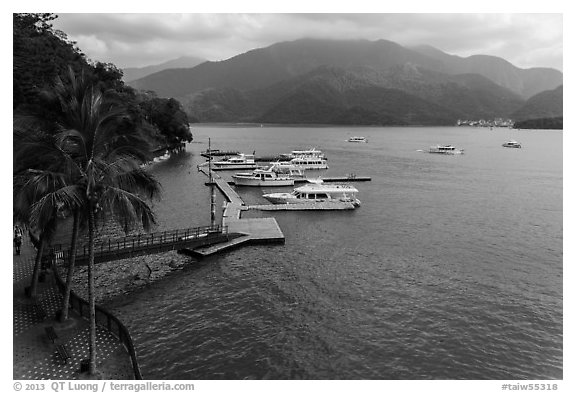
450, 269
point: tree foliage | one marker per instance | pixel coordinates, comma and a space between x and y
168, 116
548, 123
42, 54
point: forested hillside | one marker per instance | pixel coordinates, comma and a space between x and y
42, 54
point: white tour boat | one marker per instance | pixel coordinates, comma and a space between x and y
512, 143
361, 139
304, 163
286, 169
309, 153
313, 193
239, 161
445, 149
293, 172
262, 178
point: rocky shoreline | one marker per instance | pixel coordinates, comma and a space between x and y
121, 277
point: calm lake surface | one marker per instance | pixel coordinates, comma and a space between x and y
450, 269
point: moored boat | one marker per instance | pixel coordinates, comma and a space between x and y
240, 161
304, 163
314, 193
360, 139
287, 169
262, 178
512, 143
445, 149
308, 153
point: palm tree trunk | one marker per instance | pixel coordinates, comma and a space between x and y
36, 271
72, 260
91, 294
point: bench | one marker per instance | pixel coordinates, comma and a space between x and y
63, 353
51, 333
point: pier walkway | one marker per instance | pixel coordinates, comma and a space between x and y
336, 179
304, 206
251, 230
148, 243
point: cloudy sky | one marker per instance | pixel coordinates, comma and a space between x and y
135, 40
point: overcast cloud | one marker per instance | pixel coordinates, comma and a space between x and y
136, 40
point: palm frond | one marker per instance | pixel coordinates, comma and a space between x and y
128, 209
70, 198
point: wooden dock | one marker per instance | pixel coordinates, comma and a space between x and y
305, 206
247, 230
339, 179
251, 231
336, 179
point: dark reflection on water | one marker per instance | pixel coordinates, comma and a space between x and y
450, 269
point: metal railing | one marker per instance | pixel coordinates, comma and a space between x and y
142, 241
105, 319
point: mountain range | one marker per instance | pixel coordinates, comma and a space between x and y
133, 73
547, 104
354, 82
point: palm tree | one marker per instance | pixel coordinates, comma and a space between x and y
106, 180
44, 170
110, 182
34, 180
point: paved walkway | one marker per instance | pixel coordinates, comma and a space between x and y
35, 356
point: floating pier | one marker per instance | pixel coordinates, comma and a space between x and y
305, 206
336, 179
235, 153
251, 231
219, 153
248, 230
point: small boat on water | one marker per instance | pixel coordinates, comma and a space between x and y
304, 163
512, 143
287, 169
308, 153
314, 193
445, 149
293, 172
360, 139
239, 161
262, 178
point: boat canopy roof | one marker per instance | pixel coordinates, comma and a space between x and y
307, 151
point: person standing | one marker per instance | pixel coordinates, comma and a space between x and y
17, 238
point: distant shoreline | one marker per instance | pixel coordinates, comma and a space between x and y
312, 125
